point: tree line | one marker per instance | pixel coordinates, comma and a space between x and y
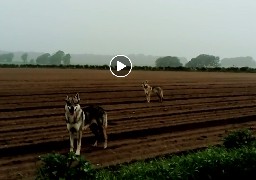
6, 57
201, 61
206, 61
57, 58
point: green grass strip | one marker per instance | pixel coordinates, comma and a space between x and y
212, 163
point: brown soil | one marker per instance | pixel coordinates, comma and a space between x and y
198, 110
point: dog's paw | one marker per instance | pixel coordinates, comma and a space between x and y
105, 145
95, 144
77, 153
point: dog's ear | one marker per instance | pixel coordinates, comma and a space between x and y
146, 81
66, 99
77, 97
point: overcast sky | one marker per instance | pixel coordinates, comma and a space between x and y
184, 28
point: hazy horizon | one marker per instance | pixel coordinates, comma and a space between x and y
157, 27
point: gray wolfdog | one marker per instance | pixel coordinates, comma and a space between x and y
152, 90
78, 120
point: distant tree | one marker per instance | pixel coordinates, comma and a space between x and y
24, 58
168, 61
10, 57
2, 57
66, 59
238, 62
6, 57
56, 58
43, 59
204, 60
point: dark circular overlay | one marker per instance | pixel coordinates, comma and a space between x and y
120, 66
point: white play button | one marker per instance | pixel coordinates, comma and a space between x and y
120, 66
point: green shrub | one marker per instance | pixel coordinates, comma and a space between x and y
58, 167
236, 139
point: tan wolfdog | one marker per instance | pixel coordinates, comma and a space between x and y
152, 90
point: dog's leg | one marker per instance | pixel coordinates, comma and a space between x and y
162, 96
159, 96
147, 95
148, 98
104, 127
95, 144
85, 127
95, 130
71, 137
161, 99
79, 138
105, 137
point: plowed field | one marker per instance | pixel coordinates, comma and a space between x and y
198, 109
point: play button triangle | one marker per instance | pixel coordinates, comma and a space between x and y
120, 66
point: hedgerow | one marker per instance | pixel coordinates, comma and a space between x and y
144, 68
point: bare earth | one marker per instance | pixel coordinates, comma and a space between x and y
197, 111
